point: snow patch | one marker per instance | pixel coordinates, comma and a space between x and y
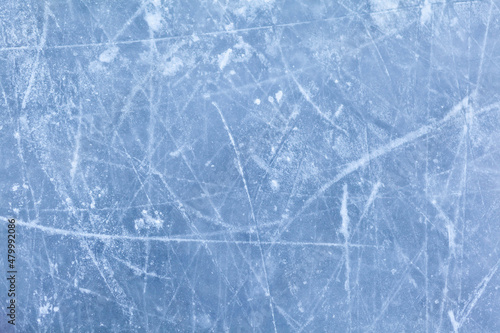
44, 310
278, 96
148, 221
96, 66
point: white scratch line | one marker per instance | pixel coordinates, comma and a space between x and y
371, 198
344, 230
83, 234
259, 243
41, 45
76, 153
233, 143
454, 323
478, 292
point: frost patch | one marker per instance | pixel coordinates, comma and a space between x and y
384, 15
147, 221
109, 55
381, 5
153, 20
172, 67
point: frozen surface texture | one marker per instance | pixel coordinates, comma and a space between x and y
252, 166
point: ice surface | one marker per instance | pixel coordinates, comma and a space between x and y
251, 166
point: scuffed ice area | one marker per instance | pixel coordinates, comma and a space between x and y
251, 166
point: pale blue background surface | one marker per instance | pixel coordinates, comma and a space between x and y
252, 166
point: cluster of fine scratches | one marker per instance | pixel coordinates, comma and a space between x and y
170, 179
344, 229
